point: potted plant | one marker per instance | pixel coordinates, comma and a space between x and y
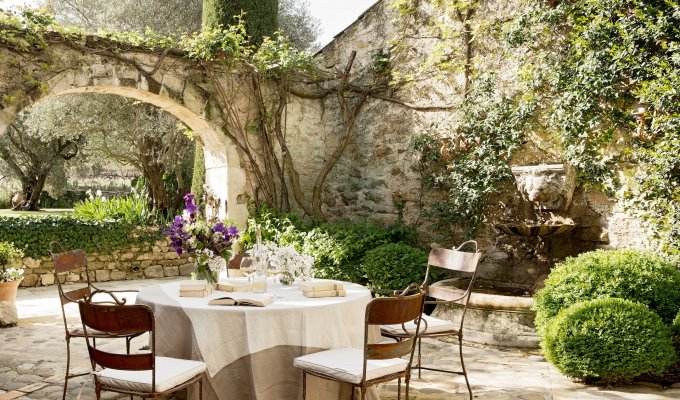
11, 273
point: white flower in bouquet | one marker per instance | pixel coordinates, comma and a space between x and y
288, 260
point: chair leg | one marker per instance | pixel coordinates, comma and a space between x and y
127, 344
200, 389
363, 392
462, 363
408, 381
419, 360
304, 386
68, 363
399, 388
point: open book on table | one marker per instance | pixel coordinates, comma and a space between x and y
247, 300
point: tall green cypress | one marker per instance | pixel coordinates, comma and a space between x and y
261, 16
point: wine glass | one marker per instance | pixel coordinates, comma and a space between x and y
248, 267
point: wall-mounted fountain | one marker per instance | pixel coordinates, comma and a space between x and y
500, 311
547, 190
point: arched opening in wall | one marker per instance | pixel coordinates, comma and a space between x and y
140, 129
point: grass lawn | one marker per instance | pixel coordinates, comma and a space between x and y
42, 213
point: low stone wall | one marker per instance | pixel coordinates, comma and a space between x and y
154, 260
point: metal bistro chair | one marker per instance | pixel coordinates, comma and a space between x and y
431, 327
142, 374
375, 363
64, 262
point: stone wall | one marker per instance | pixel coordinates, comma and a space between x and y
378, 166
155, 260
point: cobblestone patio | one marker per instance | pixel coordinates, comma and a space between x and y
32, 362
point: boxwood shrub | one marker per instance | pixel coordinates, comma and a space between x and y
338, 248
33, 234
394, 266
626, 274
611, 340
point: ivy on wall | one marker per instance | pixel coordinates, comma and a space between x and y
33, 235
471, 163
610, 73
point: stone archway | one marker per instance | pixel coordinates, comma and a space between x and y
168, 81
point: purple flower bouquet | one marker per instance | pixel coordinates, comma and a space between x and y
208, 241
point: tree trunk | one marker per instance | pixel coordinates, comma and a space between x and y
154, 177
31, 187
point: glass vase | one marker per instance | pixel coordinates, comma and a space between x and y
202, 271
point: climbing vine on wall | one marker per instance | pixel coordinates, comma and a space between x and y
465, 157
610, 73
470, 164
266, 76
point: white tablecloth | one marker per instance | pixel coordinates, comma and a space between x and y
249, 351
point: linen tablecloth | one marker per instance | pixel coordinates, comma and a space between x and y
249, 351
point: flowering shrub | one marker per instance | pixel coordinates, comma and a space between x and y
9, 256
133, 209
204, 239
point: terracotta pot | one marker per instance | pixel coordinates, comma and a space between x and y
8, 290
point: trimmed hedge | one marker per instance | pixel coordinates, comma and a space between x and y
33, 234
626, 274
394, 266
338, 248
612, 340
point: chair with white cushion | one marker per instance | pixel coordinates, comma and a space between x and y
74, 262
142, 374
375, 363
431, 327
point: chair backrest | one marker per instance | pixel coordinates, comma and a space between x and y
455, 260
67, 261
401, 310
118, 321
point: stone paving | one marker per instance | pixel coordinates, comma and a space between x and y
32, 362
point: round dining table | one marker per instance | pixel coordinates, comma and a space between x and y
248, 350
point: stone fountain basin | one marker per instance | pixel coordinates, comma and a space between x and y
541, 230
495, 317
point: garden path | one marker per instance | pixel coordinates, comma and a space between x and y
32, 358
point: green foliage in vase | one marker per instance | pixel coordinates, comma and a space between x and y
9, 257
611, 340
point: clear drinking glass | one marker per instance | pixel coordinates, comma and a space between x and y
248, 267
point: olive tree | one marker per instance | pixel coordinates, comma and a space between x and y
31, 154
120, 129
172, 17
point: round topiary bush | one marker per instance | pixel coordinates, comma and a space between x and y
612, 340
394, 266
627, 274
